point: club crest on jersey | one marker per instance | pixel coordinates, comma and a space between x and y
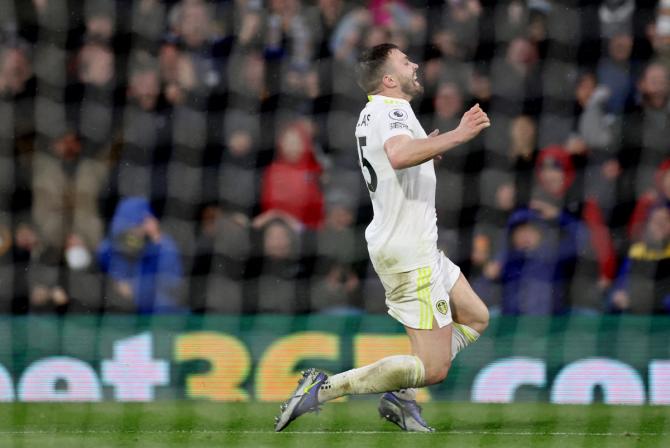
398, 114
442, 306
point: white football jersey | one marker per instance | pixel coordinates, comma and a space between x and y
403, 233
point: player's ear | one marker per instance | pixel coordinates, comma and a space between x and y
388, 81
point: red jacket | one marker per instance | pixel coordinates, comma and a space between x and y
294, 187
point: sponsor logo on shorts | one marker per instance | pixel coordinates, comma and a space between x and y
398, 125
398, 114
442, 306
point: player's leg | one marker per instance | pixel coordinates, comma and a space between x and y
469, 313
470, 319
387, 374
392, 373
400, 407
433, 348
428, 364
467, 307
409, 298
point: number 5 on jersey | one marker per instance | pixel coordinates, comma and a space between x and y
365, 164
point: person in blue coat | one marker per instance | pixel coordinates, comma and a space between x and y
142, 264
536, 266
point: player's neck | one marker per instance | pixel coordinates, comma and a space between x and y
399, 94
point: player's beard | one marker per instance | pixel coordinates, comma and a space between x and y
410, 87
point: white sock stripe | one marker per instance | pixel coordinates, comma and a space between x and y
461, 337
470, 334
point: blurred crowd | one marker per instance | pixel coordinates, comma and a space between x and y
199, 156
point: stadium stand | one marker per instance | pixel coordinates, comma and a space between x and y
234, 119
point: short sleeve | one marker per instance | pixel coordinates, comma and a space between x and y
395, 120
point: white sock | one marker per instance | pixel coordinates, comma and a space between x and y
387, 374
461, 337
406, 394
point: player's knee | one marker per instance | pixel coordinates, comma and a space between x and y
437, 373
478, 319
482, 320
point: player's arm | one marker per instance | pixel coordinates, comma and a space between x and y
403, 151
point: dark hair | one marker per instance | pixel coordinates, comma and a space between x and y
370, 65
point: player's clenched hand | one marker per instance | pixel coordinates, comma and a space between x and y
472, 123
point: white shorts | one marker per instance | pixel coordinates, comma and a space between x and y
414, 298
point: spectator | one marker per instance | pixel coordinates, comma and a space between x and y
516, 80
616, 72
646, 132
616, 16
659, 33
147, 24
65, 188
238, 175
7, 294
195, 32
246, 87
510, 21
246, 21
15, 71
643, 283
190, 98
347, 38
288, 51
95, 98
209, 218
145, 147
218, 276
183, 83
46, 279
278, 272
100, 18
48, 293
142, 264
322, 20
194, 57
70, 168
535, 265
488, 240
523, 154
44, 269
538, 22
448, 105
461, 19
658, 196
406, 25
292, 182
17, 127
18, 250
144, 83
593, 125
593, 147
555, 202
336, 281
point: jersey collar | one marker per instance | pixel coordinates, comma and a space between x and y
386, 99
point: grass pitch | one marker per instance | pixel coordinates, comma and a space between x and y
351, 424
